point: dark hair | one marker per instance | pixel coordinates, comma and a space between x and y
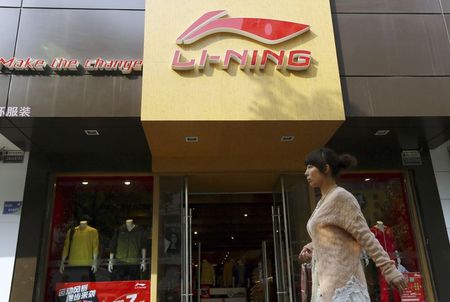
325, 156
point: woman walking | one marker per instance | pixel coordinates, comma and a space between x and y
339, 232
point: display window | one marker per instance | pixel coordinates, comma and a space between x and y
100, 239
384, 203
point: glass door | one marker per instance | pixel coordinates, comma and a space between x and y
186, 255
282, 254
290, 212
171, 244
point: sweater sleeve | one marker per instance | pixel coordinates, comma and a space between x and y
309, 246
352, 220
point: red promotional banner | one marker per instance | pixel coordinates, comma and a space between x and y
414, 291
118, 291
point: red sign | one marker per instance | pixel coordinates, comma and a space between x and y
118, 291
265, 31
414, 291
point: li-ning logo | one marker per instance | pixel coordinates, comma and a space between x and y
265, 31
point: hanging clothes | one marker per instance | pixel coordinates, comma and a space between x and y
208, 274
228, 273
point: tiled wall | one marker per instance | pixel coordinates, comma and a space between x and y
394, 55
12, 183
441, 165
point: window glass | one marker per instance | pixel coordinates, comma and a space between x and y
383, 201
171, 241
100, 240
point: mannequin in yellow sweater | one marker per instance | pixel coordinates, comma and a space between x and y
339, 231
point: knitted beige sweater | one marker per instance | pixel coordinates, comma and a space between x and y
338, 231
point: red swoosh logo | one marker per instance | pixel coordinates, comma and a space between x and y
267, 31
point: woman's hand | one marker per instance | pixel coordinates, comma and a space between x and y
305, 255
400, 284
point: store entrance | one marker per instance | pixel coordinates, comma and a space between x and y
233, 247
239, 247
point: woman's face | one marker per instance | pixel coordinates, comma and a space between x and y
314, 177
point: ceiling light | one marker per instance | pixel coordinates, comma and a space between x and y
232, 237
127, 183
91, 132
191, 139
287, 138
85, 183
245, 215
382, 132
195, 233
367, 179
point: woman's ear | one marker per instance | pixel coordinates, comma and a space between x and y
327, 170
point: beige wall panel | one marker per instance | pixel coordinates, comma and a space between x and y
238, 115
215, 94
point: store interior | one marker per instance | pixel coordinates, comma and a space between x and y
230, 232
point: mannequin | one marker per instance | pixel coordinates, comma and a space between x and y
81, 250
228, 273
240, 273
127, 249
385, 236
208, 276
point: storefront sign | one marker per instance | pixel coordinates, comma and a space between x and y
117, 291
98, 65
265, 31
13, 111
12, 207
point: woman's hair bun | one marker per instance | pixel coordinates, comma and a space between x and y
322, 157
347, 161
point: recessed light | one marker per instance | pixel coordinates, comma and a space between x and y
382, 132
287, 138
195, 233
91, 132
85, 183
127, 183
367, 179
232, 237
245, 215
191, 139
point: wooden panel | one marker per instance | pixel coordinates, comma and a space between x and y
234, 146
23, 279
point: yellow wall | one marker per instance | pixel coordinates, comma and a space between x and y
175, 104
215, 94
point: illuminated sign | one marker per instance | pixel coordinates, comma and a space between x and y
265, 31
